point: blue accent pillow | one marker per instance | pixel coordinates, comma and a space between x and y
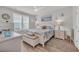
7, 34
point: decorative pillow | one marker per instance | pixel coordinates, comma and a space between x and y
7, 34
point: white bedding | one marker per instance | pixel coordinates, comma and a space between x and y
43, 32
48, 33
40, 31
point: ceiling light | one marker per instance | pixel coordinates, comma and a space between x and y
35, 10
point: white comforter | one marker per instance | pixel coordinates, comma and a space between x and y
44, 32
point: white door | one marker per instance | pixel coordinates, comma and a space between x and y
76, 29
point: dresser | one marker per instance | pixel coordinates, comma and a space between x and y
60, 34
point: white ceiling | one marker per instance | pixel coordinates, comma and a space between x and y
42, 10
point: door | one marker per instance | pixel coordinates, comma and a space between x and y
76, 28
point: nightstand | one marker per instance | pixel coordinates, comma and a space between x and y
60, 34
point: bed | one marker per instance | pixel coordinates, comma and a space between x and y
44, 34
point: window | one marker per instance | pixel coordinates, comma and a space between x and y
25, 22
17, 21
20, 22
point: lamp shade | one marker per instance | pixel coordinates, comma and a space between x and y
59, 21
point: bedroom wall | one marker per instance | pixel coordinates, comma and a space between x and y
74, 16
2, 23
68, 16
10, 12
32, 22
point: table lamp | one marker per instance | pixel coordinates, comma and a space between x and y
59, 23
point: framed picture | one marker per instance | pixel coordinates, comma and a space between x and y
6, 17
46, 18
